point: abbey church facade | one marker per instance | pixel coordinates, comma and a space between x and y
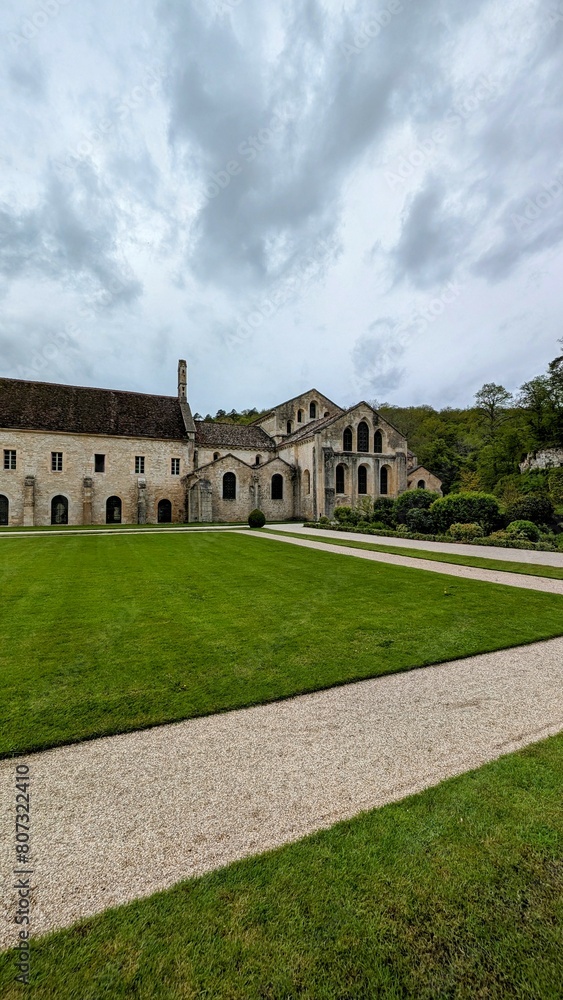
78, 455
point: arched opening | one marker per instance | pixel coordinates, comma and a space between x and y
313, 411
277, 487
340, 479
307, 482
362, 481
299, 416
59, 510
363, 436
384, 481
229, 486
164, 512
421, 485
113, 510
289, 426
4, 509
257, 460
347, 441
216, 456
378, 443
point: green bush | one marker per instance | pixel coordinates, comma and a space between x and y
536, 507
421, 520
499, 536
412, 500
524, 529
343, 514
384, 511
465, 532
555, 483
467, 508
256, 519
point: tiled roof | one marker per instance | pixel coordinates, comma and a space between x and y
209, 434
81, 410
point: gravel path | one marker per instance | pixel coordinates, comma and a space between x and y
119, 818
456, 548
449, 569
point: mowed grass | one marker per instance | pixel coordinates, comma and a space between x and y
505, 566
105, 634
452, 894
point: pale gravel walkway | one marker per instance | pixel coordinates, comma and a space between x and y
119, 818
448, 569
455, 548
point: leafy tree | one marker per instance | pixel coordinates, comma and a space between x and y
493, 402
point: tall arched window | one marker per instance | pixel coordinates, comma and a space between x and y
313, 411
347, 443
229, 486
164, 512
277, 487
289, 426
113, 510
362, 480
59, 510
363, 437
340, 479
307, 481
257, 462
384, 481
299, 416
378, 443
421, 485
4, 509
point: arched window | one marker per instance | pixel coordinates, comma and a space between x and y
384, 481
362, 480
378, 443
164, 512
216, 455
363, 436
277, 487
313, 411
4, 509
307, 481
59, 510
229, 486
257, 461
348, 444
289, 426
421, 485
340, 479
113, 510
299, 416
327, 414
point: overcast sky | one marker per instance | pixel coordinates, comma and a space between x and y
362, 197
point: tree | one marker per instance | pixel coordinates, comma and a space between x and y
535, 397
493, 402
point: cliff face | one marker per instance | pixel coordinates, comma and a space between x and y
549, 458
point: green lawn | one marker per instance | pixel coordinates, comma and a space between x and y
452, 894
530, 569
104, 634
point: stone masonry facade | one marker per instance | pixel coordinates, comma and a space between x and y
77, 455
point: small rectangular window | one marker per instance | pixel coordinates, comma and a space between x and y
9, 458
57, 461
175, 466
99, 463
139, 464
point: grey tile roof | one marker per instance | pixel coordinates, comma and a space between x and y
209, 434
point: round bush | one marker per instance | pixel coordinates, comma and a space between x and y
467, 508
256, 519
465, 532
421, 521
524, 529
412, 500
536, 507
384, 511
343, 514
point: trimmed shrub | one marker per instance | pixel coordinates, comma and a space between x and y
467, 508
421, 520
256, 519
412, 500
524, 529
536, 507
343, 514
499, 536
465, 532
384, 511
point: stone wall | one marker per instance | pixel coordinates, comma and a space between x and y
549, 458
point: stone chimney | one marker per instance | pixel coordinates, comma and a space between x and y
182, 381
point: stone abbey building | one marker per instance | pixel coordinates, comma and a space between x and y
75, 455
